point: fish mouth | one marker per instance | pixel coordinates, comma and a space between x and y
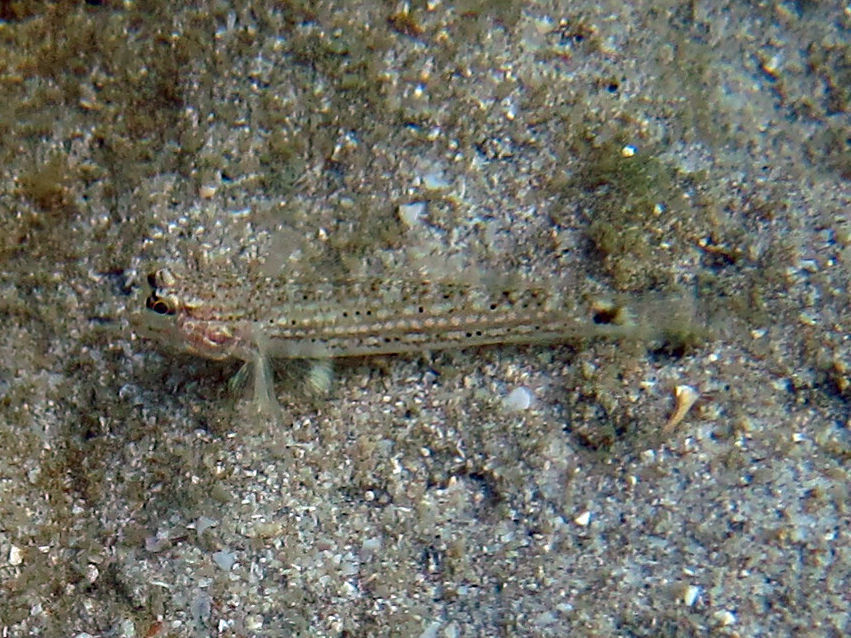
158, 327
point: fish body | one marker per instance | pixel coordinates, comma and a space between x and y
228, 317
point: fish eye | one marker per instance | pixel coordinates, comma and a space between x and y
160, 305
162, 278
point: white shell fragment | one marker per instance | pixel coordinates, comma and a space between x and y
583, 519
690, 595
724, 618
412, 214
16, 556
518, 399
435, 180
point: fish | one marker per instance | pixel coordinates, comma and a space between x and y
258, 318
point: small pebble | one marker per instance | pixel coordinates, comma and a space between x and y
435, 180
724, 618
203, 524
518, 399
201, 607
157, 543
690, 595
412, 214
224, 559
16, 556
431, 630
583, 519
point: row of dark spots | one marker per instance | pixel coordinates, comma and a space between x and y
345, 314
357, 313
507, 294
478, 333
469, 334
386, 339
446, 296
368, 313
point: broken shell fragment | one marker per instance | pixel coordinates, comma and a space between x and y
685, 396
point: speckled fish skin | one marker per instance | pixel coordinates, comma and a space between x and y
224, 317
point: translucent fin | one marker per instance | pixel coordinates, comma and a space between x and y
320, 374
310, 377
260, 371
236, 384
264, 386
